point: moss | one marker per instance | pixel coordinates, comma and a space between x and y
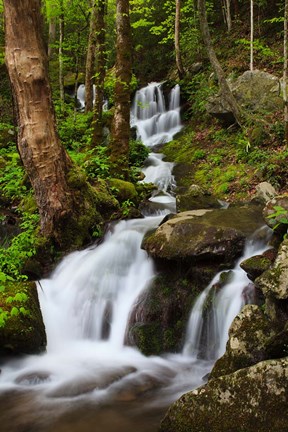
22, 332
123, 190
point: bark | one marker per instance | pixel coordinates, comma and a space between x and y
90, 60
121, 122
228, 15
251, 34
61, 39
285, 73
42, 154
52, 37
179, 63
225, 91
100, 72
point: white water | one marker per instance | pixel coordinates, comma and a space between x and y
81, 97
86, 305
206, 338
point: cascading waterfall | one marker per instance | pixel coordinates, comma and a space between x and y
207, 331
86, 305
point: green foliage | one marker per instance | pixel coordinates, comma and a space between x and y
138, 153
12, 176
126, 207
280, 216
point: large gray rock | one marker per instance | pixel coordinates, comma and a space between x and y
265, 191
255, 91
248, 336
250, 400
204, 234
274, 282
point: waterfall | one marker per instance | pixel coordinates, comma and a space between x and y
215, 309
86, 305
156, 123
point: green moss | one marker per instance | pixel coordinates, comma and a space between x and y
23, 330
123, 190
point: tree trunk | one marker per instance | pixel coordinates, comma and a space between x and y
285, 73
90, 59
121, 122
44, 159
100, 72
61, 39
228, 15
179, 63
52, 37
225, 91
251, 35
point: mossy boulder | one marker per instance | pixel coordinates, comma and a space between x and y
204, 234
159, 320
255, 266
22, 330
248, 337
249, 400
196, 198
123, 190
106, 203
273, 282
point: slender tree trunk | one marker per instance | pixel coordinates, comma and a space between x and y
52, 37
179, 63
61, 39
100, 72
121, 122
90, 59
251, 34
285, 73
228, 15
225, 91
44, 158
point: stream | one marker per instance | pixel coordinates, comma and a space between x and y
89, 379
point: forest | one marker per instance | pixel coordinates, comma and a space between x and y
81, 83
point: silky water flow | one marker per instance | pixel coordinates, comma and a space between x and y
89, 379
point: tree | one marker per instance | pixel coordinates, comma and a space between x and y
62, 205
90, 59
225, 91
177, 40
285, 73
121, 122
100, 71
251, 34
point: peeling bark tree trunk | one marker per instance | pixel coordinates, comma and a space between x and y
179, 63
285, 49
121, 122
99, 72
61, 39
90, 60
225, 91
42, 154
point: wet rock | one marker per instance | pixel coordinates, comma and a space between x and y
33, 378
250, 400
255, 266
248, 337
88, 383
204, 234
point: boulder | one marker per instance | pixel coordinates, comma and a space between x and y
265, 192
255, 266
248, 337
196, 198
22, 331
249, 400
273, 282
256, 91
204, 234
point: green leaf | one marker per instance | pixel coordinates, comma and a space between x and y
14, 311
